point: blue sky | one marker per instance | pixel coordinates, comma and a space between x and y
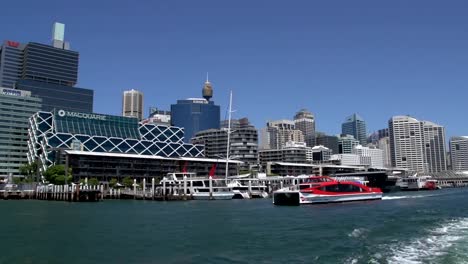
376, 58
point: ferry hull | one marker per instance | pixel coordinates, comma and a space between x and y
298, 198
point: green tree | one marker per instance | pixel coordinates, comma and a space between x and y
113, 182
55, 174
28, 171
93, 181
128, 182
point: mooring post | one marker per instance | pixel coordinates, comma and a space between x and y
164, 188
185, 187
191, 189
152, 188
134, 188
211, 187
144, 188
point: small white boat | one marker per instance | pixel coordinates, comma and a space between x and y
247, 189
416, 183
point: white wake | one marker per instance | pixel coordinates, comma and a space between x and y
433, 245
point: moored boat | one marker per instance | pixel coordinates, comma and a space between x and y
324, 189
416, 183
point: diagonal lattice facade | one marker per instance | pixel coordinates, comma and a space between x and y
48, 133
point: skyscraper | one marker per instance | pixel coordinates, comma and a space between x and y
196, 114
384, 145
459, 153
434, 147
49, 72
16, 107
305, 122
417, 145
11, 63
354, 125
132, 104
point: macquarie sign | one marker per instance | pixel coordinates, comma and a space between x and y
63, 113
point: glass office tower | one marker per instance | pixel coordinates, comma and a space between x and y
16, 107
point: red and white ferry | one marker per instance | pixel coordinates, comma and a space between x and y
324, 189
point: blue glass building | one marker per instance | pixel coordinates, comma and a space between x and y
356, 126
56, 96
194, 115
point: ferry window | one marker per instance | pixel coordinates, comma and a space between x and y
341, 188
303, 186
331, 188
349, 188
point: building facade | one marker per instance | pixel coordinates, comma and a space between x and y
328, 141
384, 145
459, 153
292, 153
55, 96
434, 147
278, 133
418, 146
105, 147
304, 121
50, 131
372, 157
48, 72
11, 63
16, 107
407, 143
346, 143
347, 159
356, 126
194, 115
132, 104
321, 153
243, 143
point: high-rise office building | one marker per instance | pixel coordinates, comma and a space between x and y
407, 143
459, 153
196, 114
132, 104
11, 63
328, 141
56, 96
384, 145
434, 147
305, 122
346, 143
354, 125
48, 72
16, 107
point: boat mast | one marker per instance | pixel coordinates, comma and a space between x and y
228, 136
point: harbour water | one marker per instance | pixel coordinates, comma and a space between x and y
405, 227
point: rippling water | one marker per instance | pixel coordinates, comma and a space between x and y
418, 227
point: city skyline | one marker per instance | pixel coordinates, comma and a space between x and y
397, 81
